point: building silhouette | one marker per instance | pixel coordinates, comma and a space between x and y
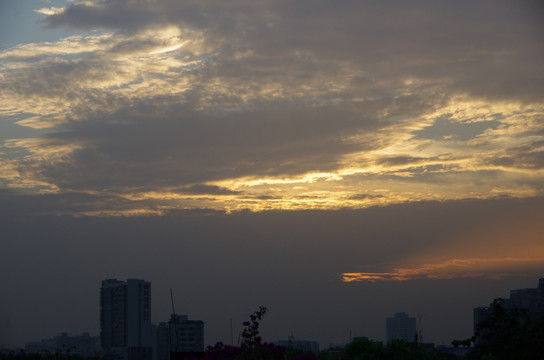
125, 318
83, 345
180, 337
303, 345
529, 299
401, 327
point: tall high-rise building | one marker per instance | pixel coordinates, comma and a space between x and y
401, 327
125, 317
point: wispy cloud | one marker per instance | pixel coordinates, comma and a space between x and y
50, 11
455, 268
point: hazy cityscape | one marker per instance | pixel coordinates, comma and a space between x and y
128, 332
270, 174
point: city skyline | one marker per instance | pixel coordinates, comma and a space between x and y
400, 326
335, 162
383, 337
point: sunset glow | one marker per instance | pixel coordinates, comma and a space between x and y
455, 268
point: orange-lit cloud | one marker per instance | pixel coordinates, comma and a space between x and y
455, 268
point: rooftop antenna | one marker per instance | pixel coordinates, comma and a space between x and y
174, 319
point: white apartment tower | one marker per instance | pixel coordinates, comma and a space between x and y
401, 327
125, 316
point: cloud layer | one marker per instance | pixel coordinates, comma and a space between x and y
280, 105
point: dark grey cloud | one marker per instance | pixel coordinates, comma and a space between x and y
474, 48
18, 203
207, 189
528, 156
131, 15
401, 160
155, 145
104, 14
365, 196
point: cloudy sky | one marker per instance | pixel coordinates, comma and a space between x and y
338, 161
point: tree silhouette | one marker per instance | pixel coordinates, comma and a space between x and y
509, 334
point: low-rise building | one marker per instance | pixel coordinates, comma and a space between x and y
303, 345
179, 335
83, 345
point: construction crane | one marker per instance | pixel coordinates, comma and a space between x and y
174, 320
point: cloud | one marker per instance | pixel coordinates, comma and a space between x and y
50, 11
529, 156
207, 189
400, 160
456, 268
166, 95
364, 196
396, 47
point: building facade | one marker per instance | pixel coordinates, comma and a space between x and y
180, 335
401, 327
125, 317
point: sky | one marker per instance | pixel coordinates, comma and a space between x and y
336, 161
